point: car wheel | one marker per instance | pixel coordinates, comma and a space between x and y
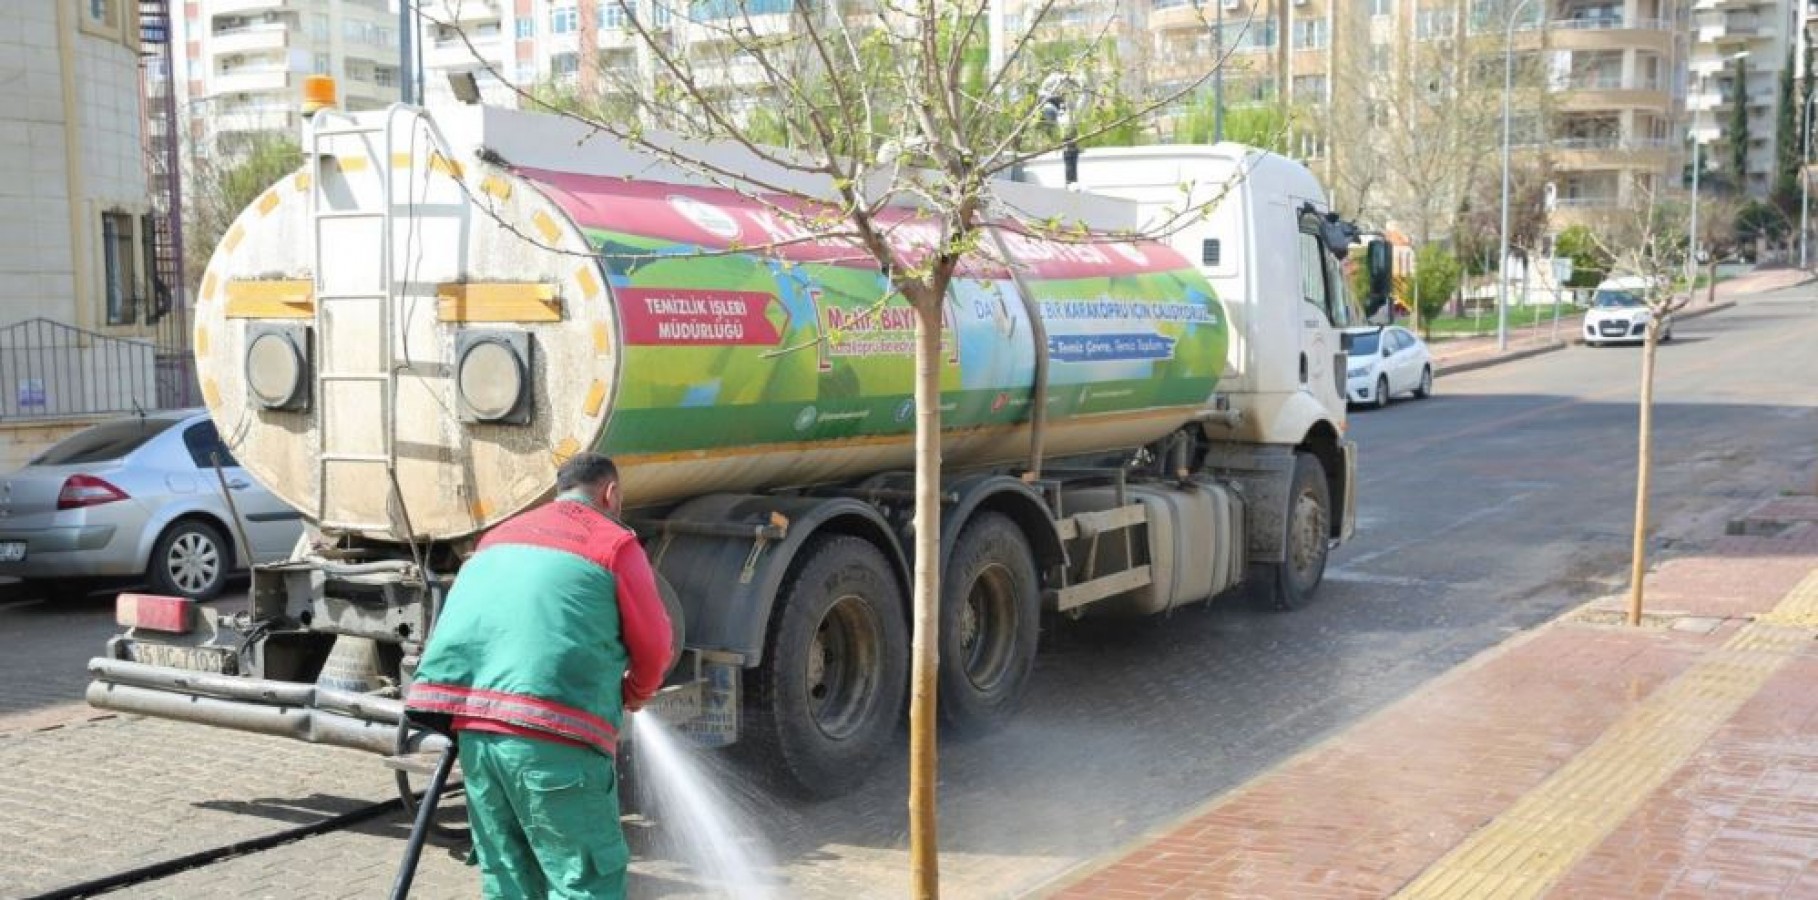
1426, 384
191, 559
1382, 391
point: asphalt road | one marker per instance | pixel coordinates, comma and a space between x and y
1501, 503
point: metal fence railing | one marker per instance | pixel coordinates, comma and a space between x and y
50, 370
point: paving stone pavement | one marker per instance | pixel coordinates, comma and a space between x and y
88, 800
1461, 786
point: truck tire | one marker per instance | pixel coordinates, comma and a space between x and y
990, 618
1309, 515
830, 693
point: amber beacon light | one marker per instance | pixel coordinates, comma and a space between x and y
318, 93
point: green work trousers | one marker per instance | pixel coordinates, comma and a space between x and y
545, 818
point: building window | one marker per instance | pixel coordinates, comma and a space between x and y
564, 20
1381, 7
318, 27
385, 77
1310, 87
323, 64
1379, 58
119, 251
563, 64
1434, 24
527, 28
1309, 34
105, 13
612, 15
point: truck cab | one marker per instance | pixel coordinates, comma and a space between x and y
1258, 225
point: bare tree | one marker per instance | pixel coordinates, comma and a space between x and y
218, 185
1648, 242
880, 127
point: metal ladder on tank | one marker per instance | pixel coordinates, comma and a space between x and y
329, 125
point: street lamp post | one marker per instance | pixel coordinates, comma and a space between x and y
1805, 184
1502, 262
1218, 75
1691, 250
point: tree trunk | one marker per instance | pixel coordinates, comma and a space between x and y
1638, 564
923, 844
1710, 285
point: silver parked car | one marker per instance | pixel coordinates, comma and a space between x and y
138, 498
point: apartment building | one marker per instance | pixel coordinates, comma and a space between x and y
244, 61
1763, 32
1611, 71
514, 46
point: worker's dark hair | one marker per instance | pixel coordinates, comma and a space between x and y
585, 470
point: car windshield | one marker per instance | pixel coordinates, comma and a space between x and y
1366, 343
1616, 299
103, 443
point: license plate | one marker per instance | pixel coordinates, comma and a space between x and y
12, 551
217, 660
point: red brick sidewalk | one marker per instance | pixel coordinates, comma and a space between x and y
1585, 759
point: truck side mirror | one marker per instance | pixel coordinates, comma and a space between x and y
1380, 266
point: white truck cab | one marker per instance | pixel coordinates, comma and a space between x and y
1263, 234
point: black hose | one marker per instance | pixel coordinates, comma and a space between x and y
426, 812
169, 867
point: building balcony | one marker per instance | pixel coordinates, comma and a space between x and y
272, 37
243, 120
238, 7
1177, 14
1587, 94
1597, 33
454, 53
244, 81
461, 11
1612, 154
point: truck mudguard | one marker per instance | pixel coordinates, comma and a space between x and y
726, 555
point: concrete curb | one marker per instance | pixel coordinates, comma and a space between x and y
1496, 359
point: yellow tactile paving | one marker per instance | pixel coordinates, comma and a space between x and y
1524, 851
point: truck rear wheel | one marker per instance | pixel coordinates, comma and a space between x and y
1309, 515
990, 615
836, 670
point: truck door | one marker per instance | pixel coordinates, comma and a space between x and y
1322, 314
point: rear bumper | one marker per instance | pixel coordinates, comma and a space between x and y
704, 708
74, 551
302, 712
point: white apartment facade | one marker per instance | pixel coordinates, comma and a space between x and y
512, 46
1764, 30
245, 61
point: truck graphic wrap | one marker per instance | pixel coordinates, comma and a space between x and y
798, 340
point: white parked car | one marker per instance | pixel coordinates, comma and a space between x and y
1387, 362
1619, 313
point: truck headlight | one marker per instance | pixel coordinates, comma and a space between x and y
277, 366
492, 376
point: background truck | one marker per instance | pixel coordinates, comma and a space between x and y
408, 336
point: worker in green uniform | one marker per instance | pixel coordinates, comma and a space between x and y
554, 630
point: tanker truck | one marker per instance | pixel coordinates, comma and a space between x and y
408, 336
